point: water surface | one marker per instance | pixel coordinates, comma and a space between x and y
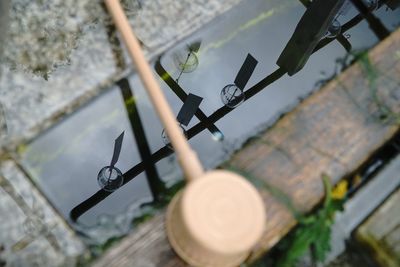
65, 160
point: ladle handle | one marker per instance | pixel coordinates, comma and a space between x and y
187, 158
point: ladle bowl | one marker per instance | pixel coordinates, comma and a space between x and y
216, 220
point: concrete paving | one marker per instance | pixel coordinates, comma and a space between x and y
31, 232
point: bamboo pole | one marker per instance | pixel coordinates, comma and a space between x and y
187, 158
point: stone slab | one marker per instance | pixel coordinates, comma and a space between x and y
31, 232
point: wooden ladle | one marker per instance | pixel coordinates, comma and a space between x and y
219, 216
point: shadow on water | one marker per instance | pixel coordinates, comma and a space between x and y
240, 47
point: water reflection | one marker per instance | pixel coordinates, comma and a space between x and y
374, 23
321, 19
181, 94
232, 94
313, 25
110, 178
185, 115
165, 151
187, 60
221, 55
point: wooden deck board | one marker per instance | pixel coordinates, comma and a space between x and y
333, 131
380, 234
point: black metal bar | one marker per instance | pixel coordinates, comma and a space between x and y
344, 42
177, 89
374, 23
153, 178
88, 204
340, 38
393, 4
245, 72
311, 28
165, 151
117, 149
190, 106
348, 25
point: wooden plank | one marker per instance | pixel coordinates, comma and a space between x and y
333, 132
380, 234
361, 205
